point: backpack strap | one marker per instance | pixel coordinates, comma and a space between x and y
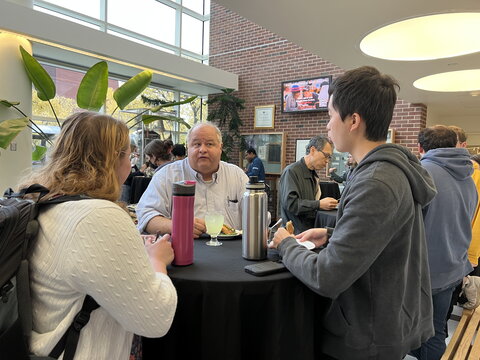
69, 340
34, 188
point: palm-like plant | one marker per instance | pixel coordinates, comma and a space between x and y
91, 95
226, 114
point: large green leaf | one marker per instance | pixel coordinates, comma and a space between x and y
39, 153
38, 75
173, 103
92, 92
9, 129
148, 119
8, 103
132, 88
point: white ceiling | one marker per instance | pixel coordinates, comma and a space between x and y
333, 30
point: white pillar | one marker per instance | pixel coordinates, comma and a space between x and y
16, 161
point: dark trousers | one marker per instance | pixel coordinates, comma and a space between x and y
434, 347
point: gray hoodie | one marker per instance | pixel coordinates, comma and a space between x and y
375, 266
448, 218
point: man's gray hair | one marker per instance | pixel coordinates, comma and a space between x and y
206, 123
318, 142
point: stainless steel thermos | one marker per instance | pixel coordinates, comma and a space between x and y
254, 221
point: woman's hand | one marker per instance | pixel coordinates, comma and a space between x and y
160, 252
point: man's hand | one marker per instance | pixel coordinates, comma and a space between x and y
198, 227
328, 203
280, 234
318, 236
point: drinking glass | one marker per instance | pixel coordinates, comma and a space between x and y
214, 223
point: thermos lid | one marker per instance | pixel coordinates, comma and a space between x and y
183, 188
255, 184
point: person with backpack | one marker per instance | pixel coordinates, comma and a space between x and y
91, 247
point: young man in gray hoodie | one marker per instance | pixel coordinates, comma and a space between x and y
374, 265
448, 228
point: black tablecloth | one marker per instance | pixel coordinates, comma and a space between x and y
330, 189
325, 218
139, 185
225, 313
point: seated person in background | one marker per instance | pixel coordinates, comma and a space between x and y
92, 247
159, 153
220, 185
351, 163
255, 165
134, 171
179, 152
300, 189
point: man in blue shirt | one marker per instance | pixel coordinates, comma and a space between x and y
255, 166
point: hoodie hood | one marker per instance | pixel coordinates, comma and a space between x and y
421, 183
456, 161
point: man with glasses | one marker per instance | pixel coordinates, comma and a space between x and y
300, 189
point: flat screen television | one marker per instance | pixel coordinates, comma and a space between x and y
306, 94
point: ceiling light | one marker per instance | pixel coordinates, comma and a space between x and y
453, 81
425, 38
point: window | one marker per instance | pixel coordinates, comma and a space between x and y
172, 26
85, 7
145, 17
192, 34
195, 5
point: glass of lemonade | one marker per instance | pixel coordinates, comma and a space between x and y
214, 223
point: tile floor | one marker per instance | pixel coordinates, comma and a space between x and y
452, 325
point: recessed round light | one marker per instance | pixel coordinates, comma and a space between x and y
453, 81
425, 38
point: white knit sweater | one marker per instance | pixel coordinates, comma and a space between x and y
92, 247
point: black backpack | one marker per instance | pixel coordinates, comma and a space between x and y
18, 230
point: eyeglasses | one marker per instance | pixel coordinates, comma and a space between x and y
327, 156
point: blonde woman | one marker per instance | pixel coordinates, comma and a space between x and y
92, 247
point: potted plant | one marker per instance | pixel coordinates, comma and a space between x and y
226, 114
91, 95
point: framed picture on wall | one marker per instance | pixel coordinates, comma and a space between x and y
270, 148
391, 136
264, 117
301, 148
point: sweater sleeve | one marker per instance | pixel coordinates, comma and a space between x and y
353, 247
108, 261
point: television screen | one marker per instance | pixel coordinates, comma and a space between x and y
306, 94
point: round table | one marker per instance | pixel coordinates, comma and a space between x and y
325, 218
225, 313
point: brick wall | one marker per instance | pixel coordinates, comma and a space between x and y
262, 60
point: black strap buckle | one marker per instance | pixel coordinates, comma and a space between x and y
81, 319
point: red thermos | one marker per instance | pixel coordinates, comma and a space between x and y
183, 198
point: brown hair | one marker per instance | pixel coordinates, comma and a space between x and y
161, 149
461, 136
84, 157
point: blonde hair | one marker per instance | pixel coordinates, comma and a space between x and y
85, 157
